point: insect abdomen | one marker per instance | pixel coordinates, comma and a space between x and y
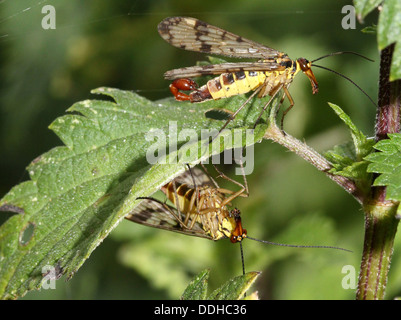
184, 195
207, 211
231, 84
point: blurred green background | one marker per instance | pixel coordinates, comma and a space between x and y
116, 44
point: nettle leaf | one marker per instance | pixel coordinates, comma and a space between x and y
362, 144
197, 288
348, 159
79, 192
370, 29
234, 289
364, 7
387, 163
389, 31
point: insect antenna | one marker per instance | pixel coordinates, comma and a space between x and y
342, 52
242, 258
242, 261
298, 246
345, 77
340, 74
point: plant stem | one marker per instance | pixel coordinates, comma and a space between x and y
388, 113
380, 214
380, 230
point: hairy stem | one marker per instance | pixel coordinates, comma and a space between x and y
380, 230
380, 214
388, 113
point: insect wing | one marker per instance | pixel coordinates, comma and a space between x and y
153, 213
195, 35
194, 177
228, 67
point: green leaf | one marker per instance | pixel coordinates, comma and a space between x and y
387, 163
197, 289
79, 192
348, 159
389, 23
364, 7
235, 288
362, 144
370, 29
389, 32
388, 29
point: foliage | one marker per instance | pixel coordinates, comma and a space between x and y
231, 290
388, 28
78, 193
387, 162
61, 224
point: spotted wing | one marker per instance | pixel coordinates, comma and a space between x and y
197, 71
153, 213
194, 177
195, 35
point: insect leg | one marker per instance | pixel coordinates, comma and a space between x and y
222, 175
243, 192
198, 201
194, 198
287, 93
232, 117
268, 103
210, 177
198, 212
243, 172
177, 204
204, 207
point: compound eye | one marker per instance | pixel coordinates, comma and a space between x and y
304, 64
